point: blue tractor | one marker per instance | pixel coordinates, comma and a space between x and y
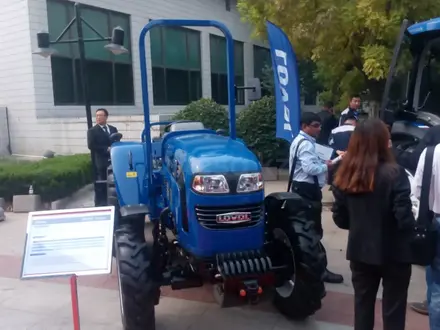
211, 222
411, 101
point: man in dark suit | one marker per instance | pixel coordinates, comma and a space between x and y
98, 141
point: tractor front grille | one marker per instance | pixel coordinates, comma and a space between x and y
207, 216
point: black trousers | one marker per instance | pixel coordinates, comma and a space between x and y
395, 281
101, 188
313, 194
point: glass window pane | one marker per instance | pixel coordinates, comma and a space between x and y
124, 83
239, 81
219, 88
124, 22
218, 54
261, 59
175, 48
195, 85
159, 95
177, 86
214, 87
223, 89
238, 58
72, 32
156, 46
99, 20
62, 80
57, 20
194, 50
100, 77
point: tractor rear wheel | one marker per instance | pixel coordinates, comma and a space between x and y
296, 248
299, 294
138, 291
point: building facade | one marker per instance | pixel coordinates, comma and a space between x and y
44, 97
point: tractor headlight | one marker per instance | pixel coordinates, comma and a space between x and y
250, 182
210, 184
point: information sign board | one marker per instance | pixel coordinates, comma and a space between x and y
69, 242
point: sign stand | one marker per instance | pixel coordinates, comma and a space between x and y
75, 242
75, 304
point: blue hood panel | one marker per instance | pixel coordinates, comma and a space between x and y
211, 153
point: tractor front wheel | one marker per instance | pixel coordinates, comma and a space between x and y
138, 291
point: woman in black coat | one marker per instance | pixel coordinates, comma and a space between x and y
372, 201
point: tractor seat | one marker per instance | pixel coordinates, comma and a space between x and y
183, 126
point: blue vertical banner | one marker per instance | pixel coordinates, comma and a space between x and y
287, 87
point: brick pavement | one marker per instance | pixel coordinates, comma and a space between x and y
44, 304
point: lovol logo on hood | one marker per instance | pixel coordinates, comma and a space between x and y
234, 217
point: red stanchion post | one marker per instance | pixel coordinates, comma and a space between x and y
75, 305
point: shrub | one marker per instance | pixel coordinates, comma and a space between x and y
257, 127
52, 178
213, 115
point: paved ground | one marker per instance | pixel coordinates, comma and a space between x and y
45, 304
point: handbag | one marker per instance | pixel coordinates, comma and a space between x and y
425, 235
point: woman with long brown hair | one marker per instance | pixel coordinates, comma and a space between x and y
372, 201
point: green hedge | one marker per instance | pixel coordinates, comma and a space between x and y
52, 178
213, 115
256, 125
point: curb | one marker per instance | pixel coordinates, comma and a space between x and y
63, 202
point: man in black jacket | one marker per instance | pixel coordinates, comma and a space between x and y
340, 136
328, 122
98, 141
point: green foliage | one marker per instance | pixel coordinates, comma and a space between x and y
52, 178
257, 127
307, 79
267, 82
351, 42
213, 115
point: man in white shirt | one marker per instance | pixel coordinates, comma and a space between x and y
432, 271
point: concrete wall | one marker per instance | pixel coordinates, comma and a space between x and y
4, 132
17, 90
26, 82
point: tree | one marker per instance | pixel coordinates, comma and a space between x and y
307, 78
351, 42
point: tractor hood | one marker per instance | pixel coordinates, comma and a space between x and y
210, 153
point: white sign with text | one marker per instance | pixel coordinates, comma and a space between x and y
69, 242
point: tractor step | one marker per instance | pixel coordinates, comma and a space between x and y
179, 283
243, 263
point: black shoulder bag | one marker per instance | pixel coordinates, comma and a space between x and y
292, 169
424, 242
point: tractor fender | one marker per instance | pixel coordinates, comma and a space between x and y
128, 166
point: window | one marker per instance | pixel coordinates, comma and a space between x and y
429, 97
219, 73
176, 64
110, 77
262, 59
